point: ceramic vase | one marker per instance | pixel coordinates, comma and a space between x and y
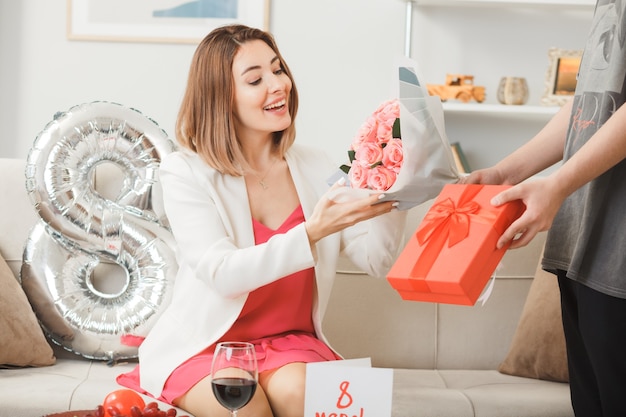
513, 90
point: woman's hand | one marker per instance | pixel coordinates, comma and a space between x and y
329, 216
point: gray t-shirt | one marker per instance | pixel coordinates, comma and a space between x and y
588, 236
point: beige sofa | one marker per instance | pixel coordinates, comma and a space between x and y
445, 357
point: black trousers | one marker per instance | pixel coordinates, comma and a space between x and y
595, 335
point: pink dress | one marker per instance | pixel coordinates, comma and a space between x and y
276, 318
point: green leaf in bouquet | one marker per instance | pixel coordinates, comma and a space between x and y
351, 155
375, 164
345, 168
395, 130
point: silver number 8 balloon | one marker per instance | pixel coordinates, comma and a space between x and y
73, 257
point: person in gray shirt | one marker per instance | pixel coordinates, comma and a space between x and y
582, 204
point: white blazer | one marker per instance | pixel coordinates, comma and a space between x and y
219, 263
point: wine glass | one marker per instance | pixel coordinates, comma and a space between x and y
234, 374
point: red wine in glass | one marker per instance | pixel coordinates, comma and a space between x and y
234, 374
233, 393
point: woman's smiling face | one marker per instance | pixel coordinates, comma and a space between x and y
261, 91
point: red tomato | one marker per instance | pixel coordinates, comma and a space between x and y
123, 400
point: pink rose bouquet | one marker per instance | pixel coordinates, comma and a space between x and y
376, 154
401, 150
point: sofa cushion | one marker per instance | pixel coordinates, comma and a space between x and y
22, 342
538, 346
73, 383
470, 393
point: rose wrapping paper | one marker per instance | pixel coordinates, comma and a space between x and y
452, 254
426, 159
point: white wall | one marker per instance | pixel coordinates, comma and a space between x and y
339, 50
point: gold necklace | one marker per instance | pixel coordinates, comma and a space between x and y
261, 180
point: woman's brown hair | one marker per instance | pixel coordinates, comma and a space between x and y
205, 122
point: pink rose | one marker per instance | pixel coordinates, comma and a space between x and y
368, 154
366, 133
384, 133
377, 156
358, 176
393, 155
388, 112
381, 178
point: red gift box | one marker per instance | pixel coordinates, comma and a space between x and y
452, 254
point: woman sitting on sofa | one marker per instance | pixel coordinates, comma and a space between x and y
258, 238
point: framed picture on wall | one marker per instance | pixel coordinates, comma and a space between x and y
561, 76
164, 21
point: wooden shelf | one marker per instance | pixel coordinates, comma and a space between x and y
503, 3
481, 109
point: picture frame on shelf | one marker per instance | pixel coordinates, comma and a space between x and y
561, 76
140, 21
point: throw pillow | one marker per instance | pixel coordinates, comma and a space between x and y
538, 346
22, 342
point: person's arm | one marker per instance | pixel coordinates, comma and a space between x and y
207, 243
370, 231
207, 240
542, 151
544, 196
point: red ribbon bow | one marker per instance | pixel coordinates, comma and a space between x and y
448, 221
446, 218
